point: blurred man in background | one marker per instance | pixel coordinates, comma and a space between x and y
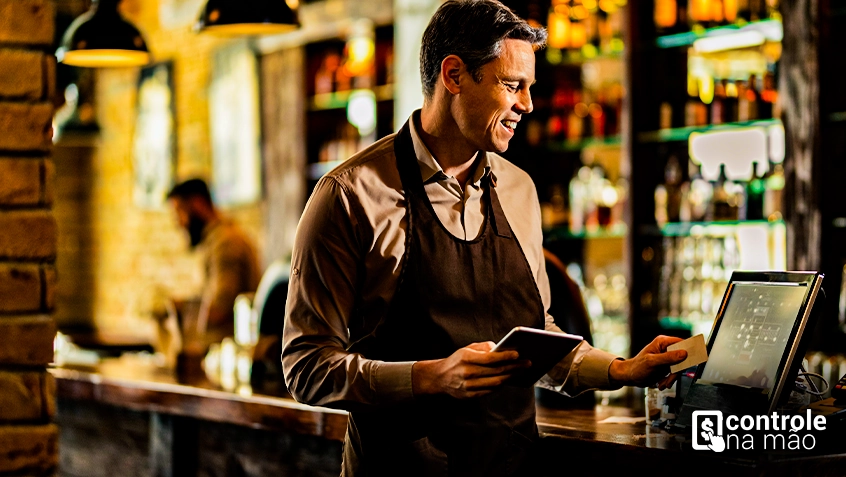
229, 258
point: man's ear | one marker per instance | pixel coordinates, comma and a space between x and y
451, 69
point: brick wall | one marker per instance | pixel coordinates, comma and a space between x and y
28, 440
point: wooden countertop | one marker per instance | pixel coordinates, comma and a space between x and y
148, 388
569, 432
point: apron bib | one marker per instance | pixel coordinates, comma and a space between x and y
451, 293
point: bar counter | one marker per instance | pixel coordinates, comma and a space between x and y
147, 422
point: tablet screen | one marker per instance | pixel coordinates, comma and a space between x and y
754, 334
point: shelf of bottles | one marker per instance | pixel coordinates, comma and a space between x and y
697, 267
349, 88
684, 133
710, 229
718, 207
731, 67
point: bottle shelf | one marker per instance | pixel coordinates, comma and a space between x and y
682, 134
712, 229
579, 144
564, 233
340, 99
771, 29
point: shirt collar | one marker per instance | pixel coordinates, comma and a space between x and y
429, 167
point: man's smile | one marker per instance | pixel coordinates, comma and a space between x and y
509, 124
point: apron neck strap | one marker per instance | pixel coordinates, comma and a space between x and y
497, 216
412, 181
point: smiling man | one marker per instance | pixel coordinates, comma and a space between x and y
420, 252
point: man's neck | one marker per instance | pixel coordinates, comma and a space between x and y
448, 146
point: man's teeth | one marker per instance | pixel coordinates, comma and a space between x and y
509, 123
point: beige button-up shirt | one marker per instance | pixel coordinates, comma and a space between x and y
347, 260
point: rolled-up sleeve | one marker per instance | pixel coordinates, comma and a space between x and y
325, 269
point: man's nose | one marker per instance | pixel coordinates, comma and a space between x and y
524, 102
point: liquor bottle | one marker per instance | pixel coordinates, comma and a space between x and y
699, 195
755, 195
757, 10
772, 9
743, 10
324, 78
753, 97
774, 182
578, 33
769, 96
665, 119
715, 8
737, 198
682, 22
699, 12
665, 15
722, 207
576, 121
672, 182
605, 27
730, 10
610, 98
730, 107
691, 107
591, 23
598, 120
578, 199
742, 102
718, 104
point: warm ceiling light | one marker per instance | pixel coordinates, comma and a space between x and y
101, 38
247, 17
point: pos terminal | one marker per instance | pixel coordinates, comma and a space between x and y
756, 344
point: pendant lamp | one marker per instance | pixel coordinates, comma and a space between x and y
247, 17
101, 38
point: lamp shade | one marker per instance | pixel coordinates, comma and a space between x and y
247, 17
101, 38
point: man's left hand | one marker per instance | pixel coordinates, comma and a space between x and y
651, 367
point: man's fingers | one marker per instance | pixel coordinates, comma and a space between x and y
661, 342
482, 346
476, 370
670, 357
488, 357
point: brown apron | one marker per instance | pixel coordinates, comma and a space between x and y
451, 293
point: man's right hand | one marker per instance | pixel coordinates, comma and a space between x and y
470, 372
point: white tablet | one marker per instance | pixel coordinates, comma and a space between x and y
543, 348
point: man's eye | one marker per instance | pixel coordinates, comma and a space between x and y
511, 87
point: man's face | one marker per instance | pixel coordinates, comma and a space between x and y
188, 219
488, 111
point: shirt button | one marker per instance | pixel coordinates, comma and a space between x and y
295, 271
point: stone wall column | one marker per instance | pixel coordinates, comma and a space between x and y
28, 439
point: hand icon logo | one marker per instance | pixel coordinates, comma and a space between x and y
708, 431
715, 443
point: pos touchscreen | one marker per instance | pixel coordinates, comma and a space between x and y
755, 346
